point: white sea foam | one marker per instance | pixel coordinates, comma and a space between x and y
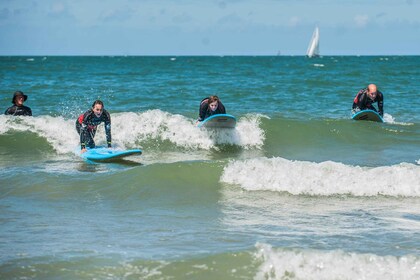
182, 131
131, 129
60, 133
391, 120
325, 178
388, 118
312, 264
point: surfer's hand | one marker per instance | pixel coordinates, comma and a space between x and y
83, 151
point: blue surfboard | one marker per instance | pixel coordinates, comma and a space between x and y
367, 115
100, 153
219, 121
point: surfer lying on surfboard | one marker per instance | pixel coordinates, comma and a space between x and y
210, 106
87, 123
365, 99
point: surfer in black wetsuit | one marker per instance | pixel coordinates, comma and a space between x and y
87, 123
366, 97
210, 106
18, 109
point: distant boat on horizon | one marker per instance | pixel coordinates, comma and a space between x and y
313, 48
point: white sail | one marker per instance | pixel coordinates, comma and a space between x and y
313, 48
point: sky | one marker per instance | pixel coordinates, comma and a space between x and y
208, 27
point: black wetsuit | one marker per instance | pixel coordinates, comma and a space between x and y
16, 110
363, 102
86, 125
205, 111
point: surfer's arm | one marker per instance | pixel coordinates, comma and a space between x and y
361, 102
203, 109
381, 104
11, 110
84, 130
108, 128
8, 111
202, 114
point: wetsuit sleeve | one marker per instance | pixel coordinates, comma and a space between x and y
204, 105
355, 100
8, 111
361, 102
84, 129
13, 111
381, 104
107, 120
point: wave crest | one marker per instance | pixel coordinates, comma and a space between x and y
297, 264
325, 178
133, 129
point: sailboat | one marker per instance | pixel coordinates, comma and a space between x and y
313, 48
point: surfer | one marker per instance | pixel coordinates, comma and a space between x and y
210, 106
18, 109
87, 123
365, 99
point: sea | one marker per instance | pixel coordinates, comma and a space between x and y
298, 190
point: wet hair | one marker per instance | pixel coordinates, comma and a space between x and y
213, 98
98, 102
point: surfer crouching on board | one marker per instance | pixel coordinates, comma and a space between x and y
210, 106
18, 109
87, 123
366, 97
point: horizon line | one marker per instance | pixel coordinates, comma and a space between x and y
203, 55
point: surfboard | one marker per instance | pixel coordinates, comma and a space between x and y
100, 153
367, 115
219, 121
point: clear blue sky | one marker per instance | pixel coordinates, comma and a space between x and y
208, 27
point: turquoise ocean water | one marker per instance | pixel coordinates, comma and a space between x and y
297, 190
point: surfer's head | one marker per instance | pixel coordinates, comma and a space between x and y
213, 102
372, 91
97, 108
19, 98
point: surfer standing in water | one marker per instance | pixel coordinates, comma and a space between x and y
18, 109
87, 123
366, 97
210, 106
